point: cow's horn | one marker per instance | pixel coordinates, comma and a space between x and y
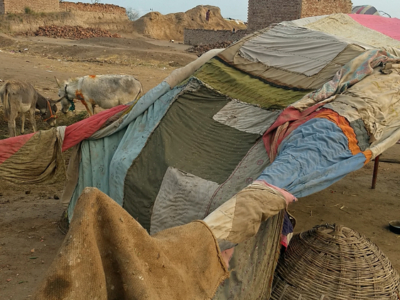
58, 82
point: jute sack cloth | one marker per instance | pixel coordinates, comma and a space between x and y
108, 255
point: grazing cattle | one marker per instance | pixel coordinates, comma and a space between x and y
105, 91
19, 97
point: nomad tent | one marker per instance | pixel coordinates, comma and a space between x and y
365, 10
297, 106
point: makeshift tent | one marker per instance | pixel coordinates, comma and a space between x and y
297, 105
365, 10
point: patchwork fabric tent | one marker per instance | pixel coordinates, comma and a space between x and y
297, 105
365, 10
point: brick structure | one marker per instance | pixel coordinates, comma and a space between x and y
311, 8
97, 8
18, 6
262, 13
196, 37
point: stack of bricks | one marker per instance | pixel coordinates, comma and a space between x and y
97, 7
262, 13
19, 6
325, 7
205, 37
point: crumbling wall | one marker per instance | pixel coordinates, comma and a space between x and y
196, 37
18, 6
325, 7
262, 13
96, 7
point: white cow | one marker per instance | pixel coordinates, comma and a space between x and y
105, 91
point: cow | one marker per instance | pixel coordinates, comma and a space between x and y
106, 91
19, 97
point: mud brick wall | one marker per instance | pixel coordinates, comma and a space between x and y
205, 37
325, 7
18, 6
262, 13
97, 8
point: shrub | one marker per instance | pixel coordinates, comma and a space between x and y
28, 10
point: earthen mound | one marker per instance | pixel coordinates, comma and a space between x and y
171, 26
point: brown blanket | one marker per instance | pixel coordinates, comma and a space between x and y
108, 255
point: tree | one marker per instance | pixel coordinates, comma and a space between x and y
132, 14
95, 1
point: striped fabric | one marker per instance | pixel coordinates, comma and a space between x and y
365, 10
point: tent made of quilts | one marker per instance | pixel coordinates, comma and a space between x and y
365, 10
297, 106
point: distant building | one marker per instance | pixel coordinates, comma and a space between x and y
262, 13
19, 6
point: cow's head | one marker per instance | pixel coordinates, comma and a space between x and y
63, 97
66, 105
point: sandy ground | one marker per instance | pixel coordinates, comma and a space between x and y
29, 236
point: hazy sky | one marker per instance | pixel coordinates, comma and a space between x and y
236, 9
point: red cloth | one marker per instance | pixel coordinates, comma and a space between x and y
387, 26
84, 129
273, 137
11, 145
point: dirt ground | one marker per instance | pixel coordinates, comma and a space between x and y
29, 236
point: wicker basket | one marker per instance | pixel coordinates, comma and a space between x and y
334, 262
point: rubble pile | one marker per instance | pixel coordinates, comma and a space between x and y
200, 49
71, 32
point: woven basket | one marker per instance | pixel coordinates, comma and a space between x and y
334, 262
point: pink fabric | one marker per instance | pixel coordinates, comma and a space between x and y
387, 26
11, 145
288, 196
284, 241
81, 130
278, 131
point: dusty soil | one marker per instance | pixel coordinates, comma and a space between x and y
29, 236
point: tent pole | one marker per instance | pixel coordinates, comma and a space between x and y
375, 175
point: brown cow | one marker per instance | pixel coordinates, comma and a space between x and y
19, 97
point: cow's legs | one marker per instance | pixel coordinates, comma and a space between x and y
89, 108
22, 115
11, 124
32, 118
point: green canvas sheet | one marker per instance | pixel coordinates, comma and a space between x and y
289, 79
239, 85
187, 139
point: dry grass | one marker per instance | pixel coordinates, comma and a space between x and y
62, 120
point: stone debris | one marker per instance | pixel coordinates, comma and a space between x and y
201, 49
71, 32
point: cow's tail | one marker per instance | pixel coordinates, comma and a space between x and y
5, 99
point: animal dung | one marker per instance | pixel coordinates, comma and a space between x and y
334, 262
